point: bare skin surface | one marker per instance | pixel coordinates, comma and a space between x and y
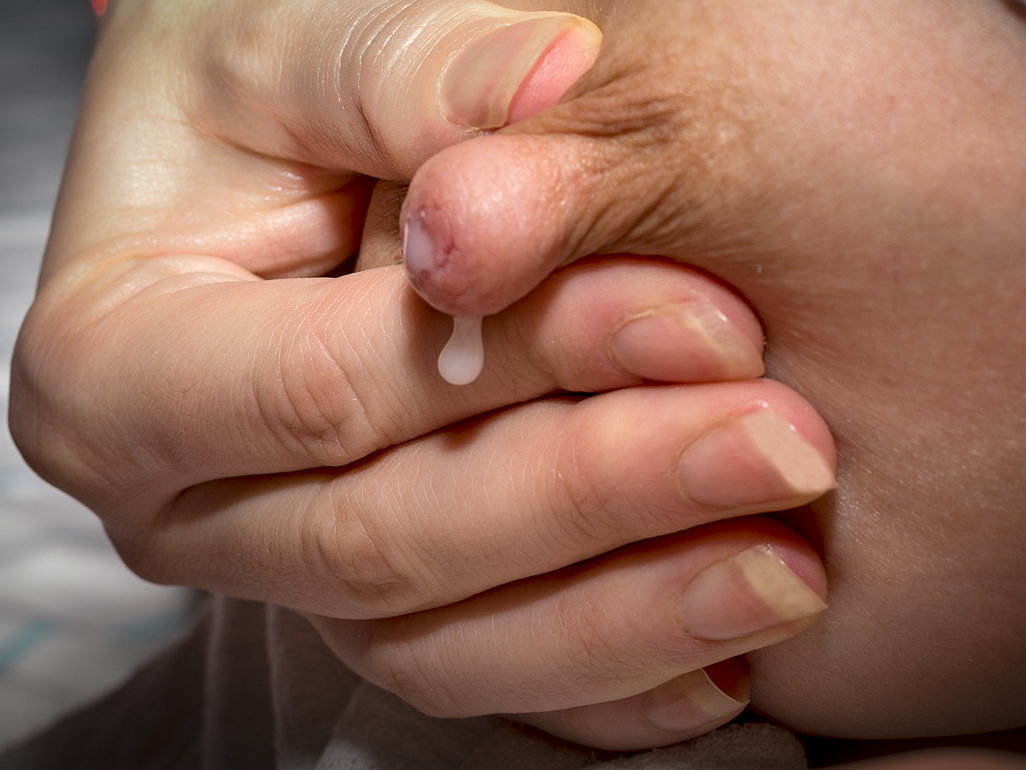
242, 421
250, 435
857, 172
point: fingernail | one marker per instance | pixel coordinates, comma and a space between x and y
747, 593
690, 702
757, 458
480, 84
684, 342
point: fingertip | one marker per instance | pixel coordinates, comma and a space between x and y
799, 413
569, 56
731, 677
685, 707
517, 69
785, 543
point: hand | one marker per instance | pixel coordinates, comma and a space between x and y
857, 172
289, 440
231, 129
415, 527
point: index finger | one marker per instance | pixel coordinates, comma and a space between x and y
174, 371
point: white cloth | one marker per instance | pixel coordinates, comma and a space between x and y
253, 686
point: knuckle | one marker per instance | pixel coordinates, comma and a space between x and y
582, 522
601, 505
27, 391
596, 647
52, 360
399, 659
516, 355
87, 370
314, 406
143, 555
353, 548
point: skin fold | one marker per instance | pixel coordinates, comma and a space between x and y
248, 416
856, 172
245, 415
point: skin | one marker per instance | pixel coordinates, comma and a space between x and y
857, 172
243, 423
185, 195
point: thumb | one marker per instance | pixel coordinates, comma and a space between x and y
378, 87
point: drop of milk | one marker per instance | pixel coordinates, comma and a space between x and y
462, 358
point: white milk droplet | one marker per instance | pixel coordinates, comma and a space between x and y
462, 358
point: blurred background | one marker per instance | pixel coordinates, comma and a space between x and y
73, 620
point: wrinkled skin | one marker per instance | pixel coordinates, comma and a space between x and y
151, 373
858, 172
242, 422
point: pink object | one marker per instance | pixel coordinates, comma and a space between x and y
99, 6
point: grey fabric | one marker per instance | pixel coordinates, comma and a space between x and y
254, 687
310, 689
752, 746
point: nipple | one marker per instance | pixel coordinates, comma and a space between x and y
462, 358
